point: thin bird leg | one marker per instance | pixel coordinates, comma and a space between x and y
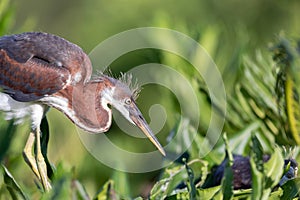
28, 155
40, 161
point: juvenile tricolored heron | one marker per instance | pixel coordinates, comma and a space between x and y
40, 70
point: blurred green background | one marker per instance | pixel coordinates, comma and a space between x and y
226, 29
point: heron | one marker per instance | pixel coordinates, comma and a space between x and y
40, 70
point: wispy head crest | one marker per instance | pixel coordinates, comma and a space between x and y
100, 74
108, 72
133, 85
125, 78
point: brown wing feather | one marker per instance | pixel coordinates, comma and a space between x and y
33, 65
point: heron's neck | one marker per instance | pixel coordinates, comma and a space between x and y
85, 106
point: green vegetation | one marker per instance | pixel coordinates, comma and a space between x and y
262, 86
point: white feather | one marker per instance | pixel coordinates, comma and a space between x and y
19, 111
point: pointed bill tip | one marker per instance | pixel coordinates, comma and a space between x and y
154, 140
162, 151
140, 122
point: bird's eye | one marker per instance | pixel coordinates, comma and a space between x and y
128, 101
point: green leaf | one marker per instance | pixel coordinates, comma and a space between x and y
61, 184
79, 191
175, 175
12, 186
267, 175
44, 146
291, 188
227, 181
256, 162
107, 191
208, 193
240, 141
287, 85
158, 191
121, 183
242, 194
191, 179
6, 138
273, 169
65, 186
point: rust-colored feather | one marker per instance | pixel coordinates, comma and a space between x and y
34, 65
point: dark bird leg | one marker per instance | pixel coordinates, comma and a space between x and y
36, 160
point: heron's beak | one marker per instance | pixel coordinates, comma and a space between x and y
137, 117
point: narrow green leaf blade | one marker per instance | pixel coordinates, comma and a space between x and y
6, 138
227, 187
121, 183
256, 162
12, 186
107, 191
191, 179
79, 190
44, 145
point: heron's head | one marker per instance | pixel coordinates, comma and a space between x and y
123, 99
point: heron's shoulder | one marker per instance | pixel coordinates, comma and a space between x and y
24, 46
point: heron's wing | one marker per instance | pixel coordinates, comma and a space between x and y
31, 80
34, 65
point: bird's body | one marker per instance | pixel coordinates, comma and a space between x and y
40, 70
80, 100
36, 67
